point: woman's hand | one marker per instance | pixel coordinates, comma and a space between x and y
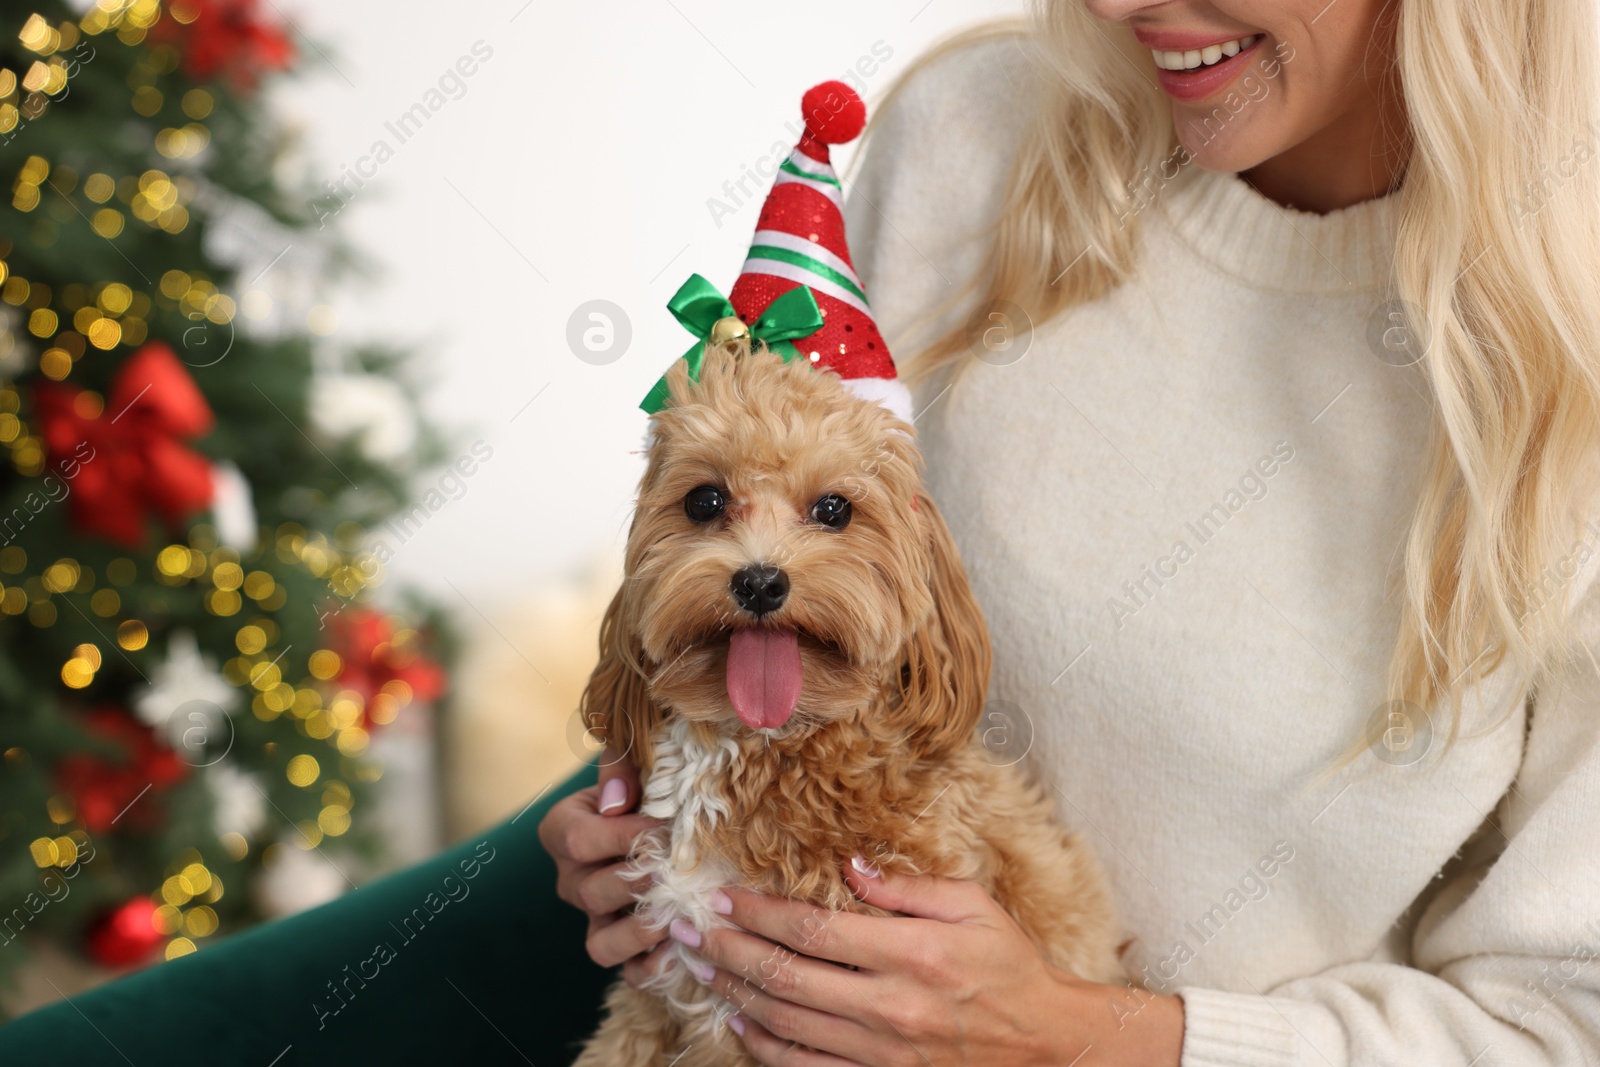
953, 979
589, 834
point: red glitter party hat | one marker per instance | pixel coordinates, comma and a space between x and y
799, 244
800, 240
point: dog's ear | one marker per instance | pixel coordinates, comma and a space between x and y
616, 705
946, 674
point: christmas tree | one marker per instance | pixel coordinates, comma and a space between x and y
191, 671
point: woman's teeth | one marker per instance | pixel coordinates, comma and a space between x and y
1202, 57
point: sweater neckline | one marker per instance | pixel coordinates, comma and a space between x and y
1226, 221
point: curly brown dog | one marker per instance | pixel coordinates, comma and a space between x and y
798, 667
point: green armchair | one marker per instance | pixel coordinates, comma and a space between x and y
467, 958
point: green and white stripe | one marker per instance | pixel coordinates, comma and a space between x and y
801, 246
804, 170
797, 259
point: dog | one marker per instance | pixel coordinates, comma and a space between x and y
798, 667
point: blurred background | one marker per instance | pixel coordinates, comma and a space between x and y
322, 334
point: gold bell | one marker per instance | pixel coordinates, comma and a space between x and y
728, 329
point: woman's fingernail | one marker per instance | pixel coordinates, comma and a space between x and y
863, 868
736, 1024
683, 932
700, 969
614, 794
721, 903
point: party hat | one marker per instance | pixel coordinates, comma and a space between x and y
798, 290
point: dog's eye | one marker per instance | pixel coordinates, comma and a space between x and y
704, 503
833, 511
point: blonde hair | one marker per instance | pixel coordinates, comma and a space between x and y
1497, 249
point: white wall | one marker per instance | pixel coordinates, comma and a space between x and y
590, 141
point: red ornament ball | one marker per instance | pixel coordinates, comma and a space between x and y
833, 112
125, 935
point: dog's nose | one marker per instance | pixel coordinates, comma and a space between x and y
760, 588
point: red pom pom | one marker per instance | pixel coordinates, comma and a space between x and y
833, 112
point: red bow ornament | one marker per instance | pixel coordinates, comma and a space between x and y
129, 459
103, 789
373, 656
224, 38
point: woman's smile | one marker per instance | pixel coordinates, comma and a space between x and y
1191, 67
1201, 55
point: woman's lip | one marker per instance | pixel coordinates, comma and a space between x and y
1172, 41
1197, 84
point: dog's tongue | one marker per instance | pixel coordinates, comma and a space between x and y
764, 676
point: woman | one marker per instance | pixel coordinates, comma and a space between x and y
1259, 387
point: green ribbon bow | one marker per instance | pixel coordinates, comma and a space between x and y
699, 306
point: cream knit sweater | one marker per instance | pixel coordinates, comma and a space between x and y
1178, 509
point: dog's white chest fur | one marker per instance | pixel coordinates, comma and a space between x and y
686, 790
